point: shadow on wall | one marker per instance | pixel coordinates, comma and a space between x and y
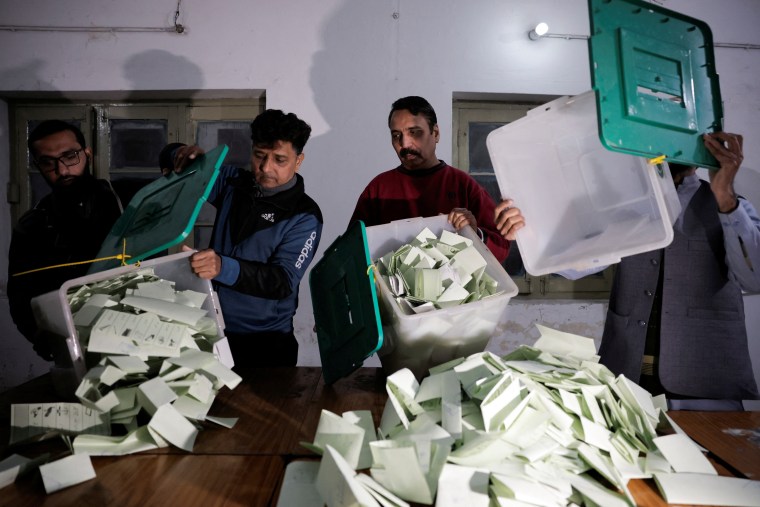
140, 147
341, 80
177, 72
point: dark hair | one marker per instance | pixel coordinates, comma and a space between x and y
415, 105
166, 157
50, 127
273, 125
679, 168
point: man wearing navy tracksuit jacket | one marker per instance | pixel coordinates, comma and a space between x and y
266, 232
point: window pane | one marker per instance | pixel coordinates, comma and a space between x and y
126, 184
514, 264
137, 143
488, 181
480, 161
235, 134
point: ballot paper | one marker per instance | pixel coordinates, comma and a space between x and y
337, 483
140, 335
39, 420
432, 273
349, 434
66, 472
155, 373
708, 489
299, 485
543, 425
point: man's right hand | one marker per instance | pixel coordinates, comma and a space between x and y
205, 264
508, 219
186, 155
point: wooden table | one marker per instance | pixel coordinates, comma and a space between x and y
278, 408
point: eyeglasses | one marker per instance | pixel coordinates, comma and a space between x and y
50, 164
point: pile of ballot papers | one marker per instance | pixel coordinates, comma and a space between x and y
432, 273
154, 378
544, 425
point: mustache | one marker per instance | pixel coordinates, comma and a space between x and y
408, 151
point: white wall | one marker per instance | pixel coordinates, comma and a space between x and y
339, 64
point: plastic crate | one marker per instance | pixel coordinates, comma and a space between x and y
584, 205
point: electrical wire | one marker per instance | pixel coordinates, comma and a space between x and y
177, 28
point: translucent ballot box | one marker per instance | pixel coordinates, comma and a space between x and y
400, 338
53, 314
584, 205
160, 215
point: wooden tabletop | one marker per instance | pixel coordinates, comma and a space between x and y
278, 408
733, 438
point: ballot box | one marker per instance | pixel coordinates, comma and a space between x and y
160, 215
584, 205
357, 315
654, 76
590, 172
53, 314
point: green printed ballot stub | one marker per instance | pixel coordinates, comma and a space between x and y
345, 304
162, 214
653, 71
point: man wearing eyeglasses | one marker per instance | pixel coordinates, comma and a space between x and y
68, 225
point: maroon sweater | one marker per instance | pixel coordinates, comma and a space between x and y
400, 193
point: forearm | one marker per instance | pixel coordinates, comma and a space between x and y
741, 231
254, 278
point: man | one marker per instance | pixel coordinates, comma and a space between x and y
423, 185
675, 322
265, 235
66, 226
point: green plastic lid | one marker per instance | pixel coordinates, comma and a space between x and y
346, 312
161, 214
653, 71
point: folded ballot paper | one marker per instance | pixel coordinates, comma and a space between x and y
432, 273
544, 425
155, 376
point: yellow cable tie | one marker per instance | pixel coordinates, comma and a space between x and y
370, 268
124, 251
116, 257
657, 160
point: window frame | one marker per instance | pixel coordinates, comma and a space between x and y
183, 116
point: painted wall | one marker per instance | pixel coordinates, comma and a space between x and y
339, 64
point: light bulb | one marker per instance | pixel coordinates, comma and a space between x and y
537, 32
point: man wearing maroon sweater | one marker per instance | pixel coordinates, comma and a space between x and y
423, 185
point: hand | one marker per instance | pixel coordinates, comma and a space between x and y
205, 264
186, 155
508, 219
460, 217
727, 150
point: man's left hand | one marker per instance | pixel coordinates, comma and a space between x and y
727, 150
461, 217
